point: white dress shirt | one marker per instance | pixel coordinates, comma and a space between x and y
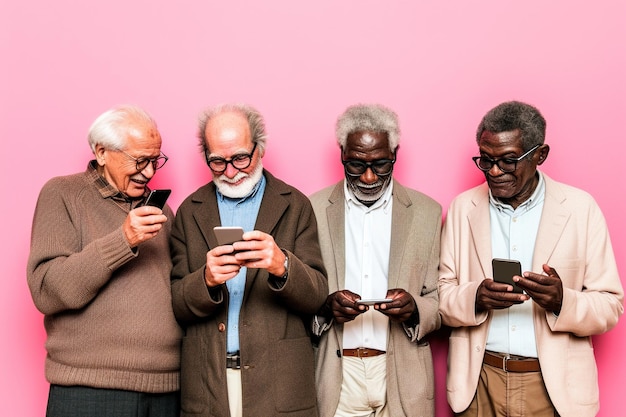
368, 240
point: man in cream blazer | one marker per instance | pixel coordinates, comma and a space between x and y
378, 240
531, 353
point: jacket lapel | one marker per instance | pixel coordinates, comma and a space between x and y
400, 217
335, 214
207, 216
480, 229
273, 206
553, 220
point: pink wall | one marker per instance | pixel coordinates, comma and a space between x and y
440, 65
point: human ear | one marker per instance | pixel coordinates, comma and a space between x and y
544, 150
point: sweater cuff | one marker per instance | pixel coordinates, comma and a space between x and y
115, 250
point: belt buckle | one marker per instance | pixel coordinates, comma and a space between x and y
505, 359
234, 361
363, 352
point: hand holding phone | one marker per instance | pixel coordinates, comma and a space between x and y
157, 198
504, 270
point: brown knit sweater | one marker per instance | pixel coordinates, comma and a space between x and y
108, 310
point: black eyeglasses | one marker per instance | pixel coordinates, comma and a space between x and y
505, 165
142, 163
380, 167
238, 161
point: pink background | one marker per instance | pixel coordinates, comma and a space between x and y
440, 65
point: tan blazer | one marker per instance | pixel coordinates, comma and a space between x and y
574, 240
278, 362
413, 259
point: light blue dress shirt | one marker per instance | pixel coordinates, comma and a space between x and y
238, 212
513, 236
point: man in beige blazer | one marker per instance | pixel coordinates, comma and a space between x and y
529, 353
378, 240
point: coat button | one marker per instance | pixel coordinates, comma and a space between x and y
221, 327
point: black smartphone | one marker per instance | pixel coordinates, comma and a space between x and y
228, 235
503, 271
157, 198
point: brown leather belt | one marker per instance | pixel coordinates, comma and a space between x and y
233, 361
509, 364
362, 352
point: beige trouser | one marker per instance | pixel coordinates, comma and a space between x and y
364, 387
511, 394
233, 381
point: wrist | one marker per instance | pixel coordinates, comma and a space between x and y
285, 265
413, 319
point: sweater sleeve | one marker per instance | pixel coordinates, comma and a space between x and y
72, 254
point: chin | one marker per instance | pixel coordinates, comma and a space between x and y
368, 197
367, 194
247, 184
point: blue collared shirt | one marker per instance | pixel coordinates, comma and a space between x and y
238, 212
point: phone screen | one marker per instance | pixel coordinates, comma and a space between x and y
371, 302
503, 271
228, 235
157, 198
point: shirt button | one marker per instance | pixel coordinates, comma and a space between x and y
221, 327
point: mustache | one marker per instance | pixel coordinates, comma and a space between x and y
377, 184
240, 175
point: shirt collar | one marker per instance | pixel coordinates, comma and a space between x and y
105, 188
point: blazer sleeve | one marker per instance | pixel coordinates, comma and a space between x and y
592, 292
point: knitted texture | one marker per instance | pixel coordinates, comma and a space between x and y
108, 311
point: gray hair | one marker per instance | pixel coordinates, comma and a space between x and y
372, 117
514, 115
112, 128
252, 115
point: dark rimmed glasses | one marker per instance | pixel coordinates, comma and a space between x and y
142, 163
239, 161
505, 165
380, 167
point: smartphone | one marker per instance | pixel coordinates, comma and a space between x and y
157, 198
228, 235
372, 301
503, 271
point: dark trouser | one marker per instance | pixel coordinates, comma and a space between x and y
96, 402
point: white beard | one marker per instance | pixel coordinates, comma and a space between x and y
355, 185
226, 187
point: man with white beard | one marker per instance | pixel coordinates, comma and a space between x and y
380, 245
245, 307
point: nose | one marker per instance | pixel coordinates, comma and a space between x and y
495, 173
230, 170
148, 171
369, 176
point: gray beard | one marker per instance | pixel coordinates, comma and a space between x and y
369, 198
243, 189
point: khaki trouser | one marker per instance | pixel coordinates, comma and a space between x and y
364, 387
510, 394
